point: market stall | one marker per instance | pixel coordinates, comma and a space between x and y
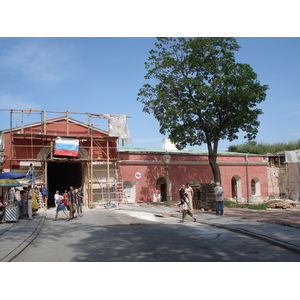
12, 209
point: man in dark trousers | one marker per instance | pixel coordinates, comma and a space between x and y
73, 202
218, 191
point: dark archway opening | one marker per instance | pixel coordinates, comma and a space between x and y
62, 175
162, 187
234, 188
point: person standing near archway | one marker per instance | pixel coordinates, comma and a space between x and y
79, 202
45, 195
73, 202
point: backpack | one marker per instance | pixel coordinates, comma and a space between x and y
220, 192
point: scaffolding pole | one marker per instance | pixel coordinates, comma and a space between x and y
42, 137
92, 171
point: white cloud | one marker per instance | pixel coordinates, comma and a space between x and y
38, 60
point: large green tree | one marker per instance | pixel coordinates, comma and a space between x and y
200, 94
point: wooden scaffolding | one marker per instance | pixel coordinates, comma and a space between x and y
99, 188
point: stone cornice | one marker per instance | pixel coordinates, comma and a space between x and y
189, 163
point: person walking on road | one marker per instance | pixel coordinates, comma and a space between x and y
61, 207
186, 209
73, 201
56, 199
66, 203
181, 192
218, 191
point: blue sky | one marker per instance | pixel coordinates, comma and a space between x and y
104, 75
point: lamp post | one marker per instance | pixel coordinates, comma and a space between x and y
167, 159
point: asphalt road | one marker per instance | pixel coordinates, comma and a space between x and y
128, 236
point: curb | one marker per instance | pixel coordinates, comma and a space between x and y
14, 253
266, 238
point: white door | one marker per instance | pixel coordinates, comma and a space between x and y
129, 191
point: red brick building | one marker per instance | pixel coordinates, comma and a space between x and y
94, 168
108, 174
244, 177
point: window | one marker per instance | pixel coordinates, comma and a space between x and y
236, 187
255, 187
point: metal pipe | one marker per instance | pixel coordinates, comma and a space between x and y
247, 179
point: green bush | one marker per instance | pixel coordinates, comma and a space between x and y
253, 147
231, 204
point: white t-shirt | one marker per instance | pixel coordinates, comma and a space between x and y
185, 204
56, 197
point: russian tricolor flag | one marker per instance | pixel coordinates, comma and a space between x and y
66, 147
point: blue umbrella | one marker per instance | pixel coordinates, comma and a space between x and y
10, 175
9, 183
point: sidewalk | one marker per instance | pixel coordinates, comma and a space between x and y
259, 224
285, 236
15, 237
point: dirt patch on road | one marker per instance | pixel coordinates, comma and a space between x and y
288, 217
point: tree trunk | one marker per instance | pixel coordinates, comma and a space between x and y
212, 157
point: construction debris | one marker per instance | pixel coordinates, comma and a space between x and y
163, 215
282, 204
204, 197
